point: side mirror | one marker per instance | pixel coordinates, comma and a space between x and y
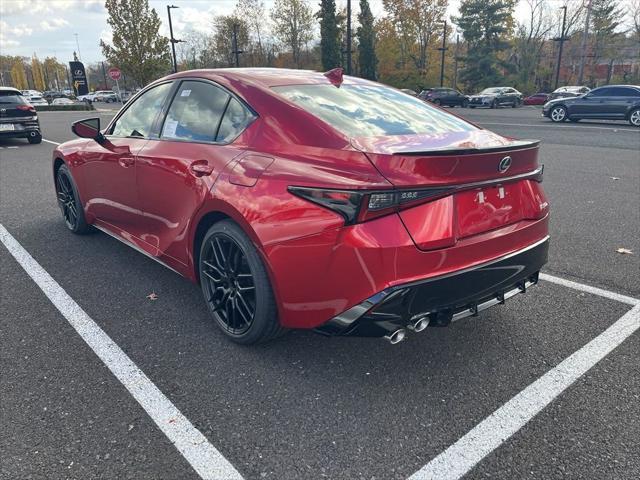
88, 128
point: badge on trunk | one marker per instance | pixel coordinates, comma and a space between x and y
504, 164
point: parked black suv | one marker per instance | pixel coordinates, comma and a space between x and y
612, 102
444, 96
18, 118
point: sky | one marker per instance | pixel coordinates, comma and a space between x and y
49, 27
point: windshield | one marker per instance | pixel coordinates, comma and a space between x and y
491, 90
371, 110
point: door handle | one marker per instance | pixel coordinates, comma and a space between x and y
126, 162
201, 168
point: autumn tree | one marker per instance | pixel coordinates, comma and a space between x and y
366, 35
18, 74
37, 73
486, 26
137, 47
293, 25
223, 45
329, 35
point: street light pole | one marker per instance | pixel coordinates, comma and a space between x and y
562, 39
585, 37
78, 45
236, 52
443, 49
171, 39
348, 37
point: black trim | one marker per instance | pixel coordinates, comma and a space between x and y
515, 145
441, 298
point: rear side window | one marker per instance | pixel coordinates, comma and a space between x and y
236, 119
601, 92
625, 92
195, 113
372, 110
137, 120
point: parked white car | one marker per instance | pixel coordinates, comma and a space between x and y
31, 93
36, 100
89, 97
63, 101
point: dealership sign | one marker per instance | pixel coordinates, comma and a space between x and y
79, 78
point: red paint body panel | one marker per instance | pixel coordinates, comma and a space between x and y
147, 192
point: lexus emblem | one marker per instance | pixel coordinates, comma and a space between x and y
504, 164
78, 73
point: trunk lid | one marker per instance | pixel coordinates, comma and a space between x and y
492, 179
447, 159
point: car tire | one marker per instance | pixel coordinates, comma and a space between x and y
634, 117
236, 286
464, 104
33, 140
494, 104
558, 114
69, 201
436, 102
472, 106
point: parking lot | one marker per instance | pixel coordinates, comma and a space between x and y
546, 386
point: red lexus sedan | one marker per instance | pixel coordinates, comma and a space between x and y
298, 199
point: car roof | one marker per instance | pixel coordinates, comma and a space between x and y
10, 89
267, 77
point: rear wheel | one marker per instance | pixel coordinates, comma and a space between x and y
558, 114
69, 201
494, 104
236, 286
437, 102
465, 103
634, 117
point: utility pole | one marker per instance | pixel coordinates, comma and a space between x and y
78, 45
171, 39
585, 37
562, 39
104, 76
236, 51
443, 49
348, 37
455, 63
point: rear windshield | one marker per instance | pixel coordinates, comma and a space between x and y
11, 97
370, 110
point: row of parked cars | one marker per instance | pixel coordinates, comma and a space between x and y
572, 103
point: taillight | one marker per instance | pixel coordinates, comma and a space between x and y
359, 206
26, 108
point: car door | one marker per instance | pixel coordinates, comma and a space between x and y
594, 104
176, 170
620, 101
108, 168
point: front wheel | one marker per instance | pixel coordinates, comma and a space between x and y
437, 102
236, 286
558, 114
634, 117
465, 103
494, 104
69, 201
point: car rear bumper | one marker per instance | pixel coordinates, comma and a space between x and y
21, 128
442, 299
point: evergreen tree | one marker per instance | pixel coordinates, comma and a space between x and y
606, 16
486, 25
367, 58
138, 49
329, 41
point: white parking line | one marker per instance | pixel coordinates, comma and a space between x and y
493, 431
589, 289
551, 125
49, 141
190, 442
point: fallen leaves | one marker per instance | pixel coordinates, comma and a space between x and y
624, 251
152, 296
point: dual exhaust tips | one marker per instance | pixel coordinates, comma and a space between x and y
400, 334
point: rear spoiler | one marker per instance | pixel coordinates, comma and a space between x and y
446, 151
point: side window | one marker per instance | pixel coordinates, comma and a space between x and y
625, 92
195, 112
236, 119
601, 92
138, 118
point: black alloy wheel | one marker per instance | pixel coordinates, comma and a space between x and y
69, 203
437, 102
494, 104
465, 103
236, 286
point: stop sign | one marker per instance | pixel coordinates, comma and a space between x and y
115, 73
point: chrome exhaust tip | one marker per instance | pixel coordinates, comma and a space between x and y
397, 336
419, 325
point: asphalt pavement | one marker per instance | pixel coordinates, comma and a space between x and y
306, 406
